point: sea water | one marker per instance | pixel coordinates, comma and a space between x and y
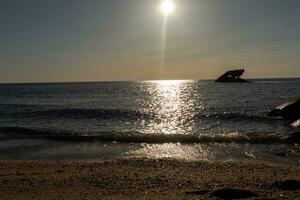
178, 119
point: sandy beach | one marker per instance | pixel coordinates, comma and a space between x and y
147, 179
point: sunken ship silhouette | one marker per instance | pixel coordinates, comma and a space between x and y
233, 76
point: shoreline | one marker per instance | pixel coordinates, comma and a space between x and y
147, 179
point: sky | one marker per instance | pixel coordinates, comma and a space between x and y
106, 40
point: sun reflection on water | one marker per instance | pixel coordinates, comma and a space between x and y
173, 107
170, 106
170, 103
172, 151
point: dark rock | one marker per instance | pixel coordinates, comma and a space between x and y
233, 76
288, 185
295, 137
289, 110
230, 193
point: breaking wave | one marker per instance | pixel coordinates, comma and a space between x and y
135, 137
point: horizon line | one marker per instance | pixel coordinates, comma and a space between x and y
150, 80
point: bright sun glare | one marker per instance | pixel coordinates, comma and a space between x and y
167, 7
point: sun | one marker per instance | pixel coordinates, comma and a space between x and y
167, 7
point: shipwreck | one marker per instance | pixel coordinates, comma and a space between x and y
233, 76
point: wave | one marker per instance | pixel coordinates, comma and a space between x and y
79, 113
40, 112
237, 116
135, 137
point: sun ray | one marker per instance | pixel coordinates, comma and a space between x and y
167, 7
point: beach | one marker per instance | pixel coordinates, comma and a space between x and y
147, 179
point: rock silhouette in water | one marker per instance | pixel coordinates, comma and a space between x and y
295, 137
233, 76
289, 110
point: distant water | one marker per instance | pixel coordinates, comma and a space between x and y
195, 120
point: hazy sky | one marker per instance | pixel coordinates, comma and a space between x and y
91, 40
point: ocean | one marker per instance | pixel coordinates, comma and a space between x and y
189, 120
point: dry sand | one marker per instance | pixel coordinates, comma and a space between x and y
147, 179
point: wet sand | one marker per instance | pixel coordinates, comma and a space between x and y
147, 179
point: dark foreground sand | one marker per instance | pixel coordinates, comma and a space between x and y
147, 179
